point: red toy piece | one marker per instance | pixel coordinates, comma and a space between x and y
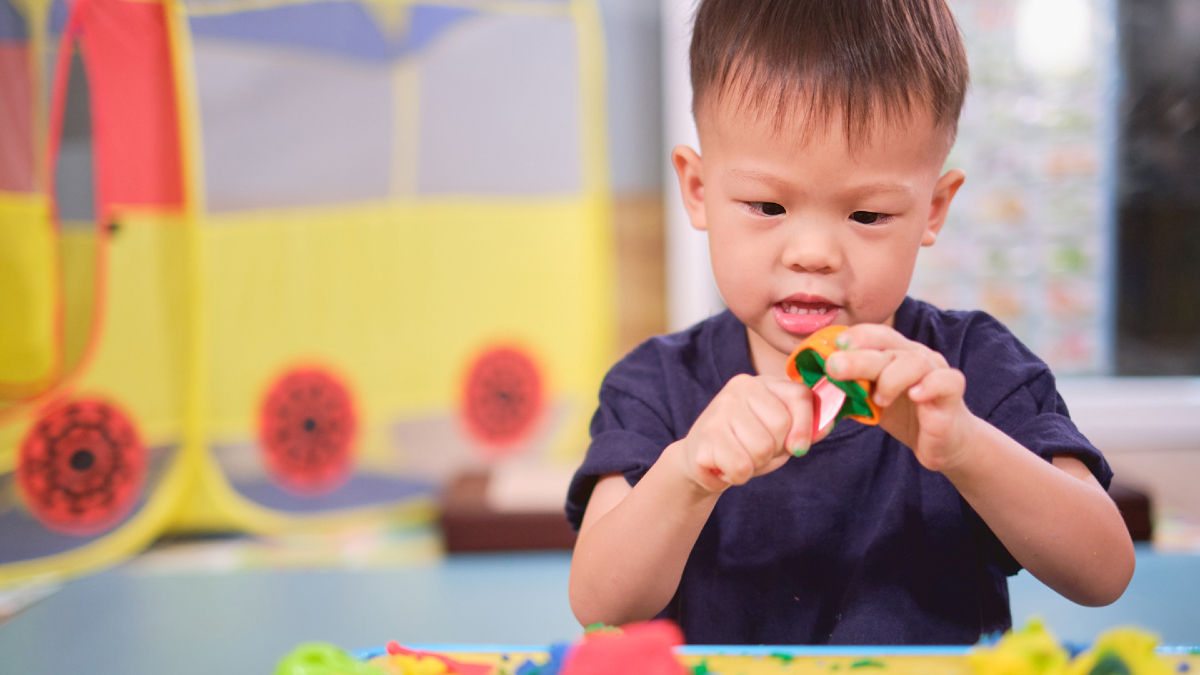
452, 667
643, 648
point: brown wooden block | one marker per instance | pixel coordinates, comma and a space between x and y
1135, 508
470, 524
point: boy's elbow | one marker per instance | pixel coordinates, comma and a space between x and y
1102, 597
587, 612
583, 604
592, 605
1122, 575
1111, 585
584, 614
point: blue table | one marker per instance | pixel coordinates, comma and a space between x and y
129, 623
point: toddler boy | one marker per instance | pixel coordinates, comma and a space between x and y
824, 126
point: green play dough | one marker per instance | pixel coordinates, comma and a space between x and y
320, 658
1110, 664
811, 367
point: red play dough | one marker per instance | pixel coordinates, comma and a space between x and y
644, 648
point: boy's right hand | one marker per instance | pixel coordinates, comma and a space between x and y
751, 427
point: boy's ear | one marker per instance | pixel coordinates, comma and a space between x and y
943, 193
691, 183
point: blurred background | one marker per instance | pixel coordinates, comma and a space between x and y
304, 304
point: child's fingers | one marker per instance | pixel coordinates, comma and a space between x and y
871, 336
797, 398
774, 416
776, 462
758, 441
709, 475
732, 462
902, 372
860, 364
942, 384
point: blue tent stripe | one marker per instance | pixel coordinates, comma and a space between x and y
12, 24
345, 28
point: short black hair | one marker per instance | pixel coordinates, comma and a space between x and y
863, 58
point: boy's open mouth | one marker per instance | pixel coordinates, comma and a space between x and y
805, 315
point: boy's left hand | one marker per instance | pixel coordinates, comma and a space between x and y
920, 395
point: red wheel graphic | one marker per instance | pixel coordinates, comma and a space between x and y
502, 398
82, 467
307, 429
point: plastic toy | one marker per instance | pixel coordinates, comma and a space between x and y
833, 399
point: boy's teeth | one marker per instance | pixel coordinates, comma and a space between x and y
793, 309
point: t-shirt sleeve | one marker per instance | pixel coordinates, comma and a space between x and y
628, 435
1035, 416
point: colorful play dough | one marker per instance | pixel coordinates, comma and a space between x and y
322, 658
654, 648
807, 365
643, 648
1032, 650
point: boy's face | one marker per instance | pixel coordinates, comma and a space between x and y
805, 231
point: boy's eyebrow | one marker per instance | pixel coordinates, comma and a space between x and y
856, 192
884, 188
759, 177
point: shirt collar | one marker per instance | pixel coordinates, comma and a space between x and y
730, 347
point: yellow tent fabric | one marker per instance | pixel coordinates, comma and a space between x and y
323, 331
28, 294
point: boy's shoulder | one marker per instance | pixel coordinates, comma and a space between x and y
994, 361
706, 355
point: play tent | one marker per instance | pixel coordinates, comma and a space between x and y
338, 251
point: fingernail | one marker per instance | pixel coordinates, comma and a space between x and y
842, 341
833, 365
801, 449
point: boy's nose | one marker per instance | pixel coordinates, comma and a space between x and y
812, 247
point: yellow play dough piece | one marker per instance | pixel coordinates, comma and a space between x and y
1031, 650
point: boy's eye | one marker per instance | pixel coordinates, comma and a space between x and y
768, 208
866, 217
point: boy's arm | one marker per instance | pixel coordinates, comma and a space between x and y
634, 542
1054, 518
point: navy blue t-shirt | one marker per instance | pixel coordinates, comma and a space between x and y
856, 542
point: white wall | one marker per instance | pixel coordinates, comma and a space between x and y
691, 292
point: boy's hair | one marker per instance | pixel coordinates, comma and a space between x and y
866, 59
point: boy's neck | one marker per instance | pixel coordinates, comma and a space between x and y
765, 359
